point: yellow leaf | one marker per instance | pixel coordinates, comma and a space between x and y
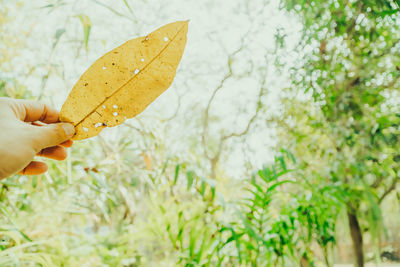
123, 82
147, 160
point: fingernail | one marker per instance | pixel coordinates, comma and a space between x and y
69, 129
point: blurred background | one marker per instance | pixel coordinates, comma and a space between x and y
276, 145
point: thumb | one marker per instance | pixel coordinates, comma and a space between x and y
53, 134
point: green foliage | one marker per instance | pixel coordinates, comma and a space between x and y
282, 217
351, 67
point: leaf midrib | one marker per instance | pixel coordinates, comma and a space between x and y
144, 68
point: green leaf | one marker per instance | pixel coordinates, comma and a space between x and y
164, 166
128, 6
203, 188
177, 167
57, 36
86, 25
190, 178
233, 237
272, 187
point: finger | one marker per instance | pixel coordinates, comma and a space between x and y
30, 111
67, 143
51, 135
54, 152
38, 123
34, 168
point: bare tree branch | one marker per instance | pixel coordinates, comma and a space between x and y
211, 99
133, 18
179, 97
215, 158
389, 189
224, 138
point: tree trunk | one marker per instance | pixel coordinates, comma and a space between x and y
326, 255
304, 262
356, 237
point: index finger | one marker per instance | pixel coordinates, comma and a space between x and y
30, 111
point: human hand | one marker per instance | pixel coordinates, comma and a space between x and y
27, 129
